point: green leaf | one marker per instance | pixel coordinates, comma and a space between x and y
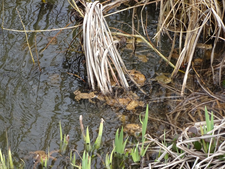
10, 159
119, 144
135, 154
208, 123
60, 131
2, 162
223, 83
108, 160
143, 151
197, 145
144, 124
99, 138
88, 141
86, 161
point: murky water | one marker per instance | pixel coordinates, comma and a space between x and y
32, 102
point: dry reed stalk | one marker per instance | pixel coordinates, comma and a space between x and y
189, 157
31, 54
195, 19
101, 54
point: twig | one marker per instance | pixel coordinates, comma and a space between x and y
76, 76
54, 38
37, 54
49, 30
149, 44
26, 37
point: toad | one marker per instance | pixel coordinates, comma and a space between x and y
161, 78
133, 129
42, 156
138, 76
79, 95
133, 104
130, 100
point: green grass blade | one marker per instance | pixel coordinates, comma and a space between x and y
124, 145
119, 144
86, 161
212, 121
60, 130
135, 154
108, 160
72, 159
121, 137
143, 151
208, 123
144, 124
10, 159
118, 141
2, 162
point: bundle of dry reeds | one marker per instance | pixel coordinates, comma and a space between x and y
189, 20
190, 157
103, 61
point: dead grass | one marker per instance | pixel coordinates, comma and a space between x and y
187, 156
188, 21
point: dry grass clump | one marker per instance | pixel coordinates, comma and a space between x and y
196, 147
102, 57
191, 22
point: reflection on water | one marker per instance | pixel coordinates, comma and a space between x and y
33, 102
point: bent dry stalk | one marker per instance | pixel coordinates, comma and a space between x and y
101, 54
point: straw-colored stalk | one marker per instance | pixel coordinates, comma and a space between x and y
191, 19
103, 61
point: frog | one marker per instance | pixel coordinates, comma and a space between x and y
142, 58
40, 155
133, 104
132, 129
161, 78
138, 76
79, 95
52, 40
204, 46
137, 40
130, 100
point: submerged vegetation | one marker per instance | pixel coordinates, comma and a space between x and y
188, 24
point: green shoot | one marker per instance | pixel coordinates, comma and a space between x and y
144, 125
73, 160
10, 159
135, 154
166, 157
209, 123
60, 130
144, 129
209, 127
41, 161
86, 137
119, 144
99, 138
86, 161
108, 160
143, 151
2, 161
88, 141
64, 140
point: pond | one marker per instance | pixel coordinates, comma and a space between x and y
33, 101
